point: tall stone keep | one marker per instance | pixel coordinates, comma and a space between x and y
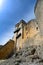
39, 14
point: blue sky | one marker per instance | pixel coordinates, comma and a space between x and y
11, 12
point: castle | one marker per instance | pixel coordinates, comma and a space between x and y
24, 31
33, 30
26, 34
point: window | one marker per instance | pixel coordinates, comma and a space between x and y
36, 28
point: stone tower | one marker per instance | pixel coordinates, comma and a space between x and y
39, 14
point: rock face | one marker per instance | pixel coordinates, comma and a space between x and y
40, 51
39, 14
26, 56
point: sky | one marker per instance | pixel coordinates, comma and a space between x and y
11, 12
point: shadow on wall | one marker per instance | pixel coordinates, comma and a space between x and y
7, 50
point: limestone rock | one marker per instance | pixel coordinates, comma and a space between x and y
40, 51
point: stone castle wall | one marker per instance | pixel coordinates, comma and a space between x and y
31, 31
7, 50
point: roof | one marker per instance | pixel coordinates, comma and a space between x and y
22, 21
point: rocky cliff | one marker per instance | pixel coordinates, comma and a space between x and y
27, 56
